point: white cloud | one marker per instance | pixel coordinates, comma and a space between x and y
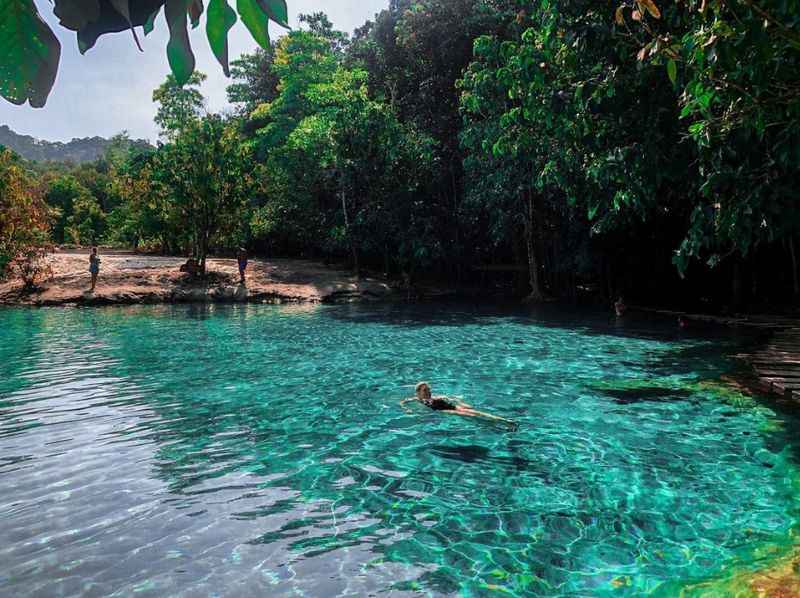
109, 89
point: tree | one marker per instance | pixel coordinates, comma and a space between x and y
179, 104
319, 24
414, 52
302, 59
61, 195
205, 178
24, 221
254, 81
342, 170
736, 67
580, 133
30, 52
87, 222
376, 164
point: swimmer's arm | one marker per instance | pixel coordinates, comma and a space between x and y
404, 401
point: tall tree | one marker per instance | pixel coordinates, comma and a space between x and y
205, 176
178, 104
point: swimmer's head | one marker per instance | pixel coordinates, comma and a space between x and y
423, 391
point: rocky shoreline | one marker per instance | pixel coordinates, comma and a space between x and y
130, 279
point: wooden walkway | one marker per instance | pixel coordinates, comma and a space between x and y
777, 364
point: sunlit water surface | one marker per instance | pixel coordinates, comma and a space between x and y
261, 451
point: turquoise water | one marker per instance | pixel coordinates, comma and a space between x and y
261, 451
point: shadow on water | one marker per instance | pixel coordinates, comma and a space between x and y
480, 454
628, 396
586, 320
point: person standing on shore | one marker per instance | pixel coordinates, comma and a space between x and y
94, 267
241, 257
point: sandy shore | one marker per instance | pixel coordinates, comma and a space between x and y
127, 278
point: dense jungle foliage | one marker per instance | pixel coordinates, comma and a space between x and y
553, 148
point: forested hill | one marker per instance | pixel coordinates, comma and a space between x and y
86, 149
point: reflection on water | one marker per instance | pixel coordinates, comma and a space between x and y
236, 450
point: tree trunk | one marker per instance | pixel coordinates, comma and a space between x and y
349, 234
530, 242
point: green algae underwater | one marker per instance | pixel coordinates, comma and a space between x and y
769, 569
225, 450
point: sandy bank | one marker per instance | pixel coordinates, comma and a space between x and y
126, 278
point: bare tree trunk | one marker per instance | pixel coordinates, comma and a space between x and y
530, 242
349, 234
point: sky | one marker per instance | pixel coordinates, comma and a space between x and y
109, 89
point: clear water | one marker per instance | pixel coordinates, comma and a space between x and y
261, 451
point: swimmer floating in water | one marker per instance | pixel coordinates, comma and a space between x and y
452, 406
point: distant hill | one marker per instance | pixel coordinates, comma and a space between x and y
86, 149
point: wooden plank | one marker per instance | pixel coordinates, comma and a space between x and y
779, 373
775, 360
777, 364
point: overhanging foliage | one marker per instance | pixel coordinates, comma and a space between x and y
30, 52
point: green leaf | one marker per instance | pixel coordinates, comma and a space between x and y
111, 21
29, 54
672, 71
256, 21
219, 20
276, 10
122, 7
76, 14
150, 23
179, 50
195, 11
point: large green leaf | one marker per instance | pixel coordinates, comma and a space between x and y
276, 10
179, 50
75, 14
29, 54
123, 8
112, 21
219, 20
256, 20
195, 10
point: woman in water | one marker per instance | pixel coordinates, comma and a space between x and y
452, 406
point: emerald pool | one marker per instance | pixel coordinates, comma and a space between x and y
261, 451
